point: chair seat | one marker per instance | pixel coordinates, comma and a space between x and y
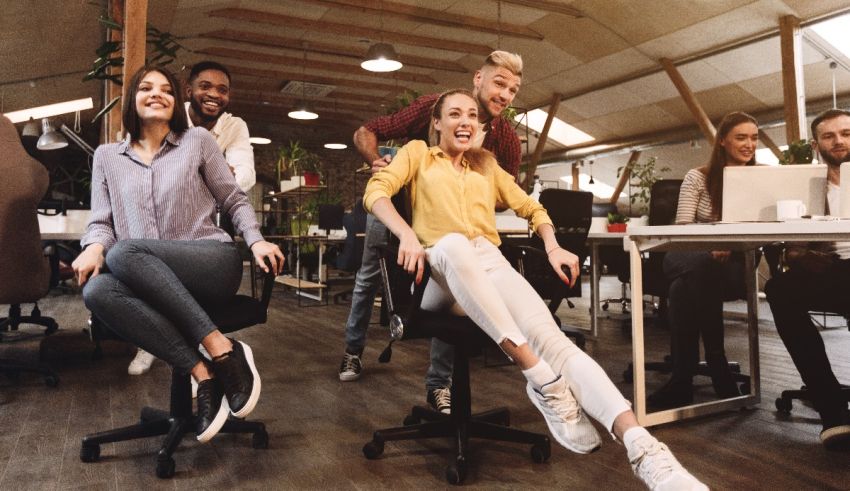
240, 312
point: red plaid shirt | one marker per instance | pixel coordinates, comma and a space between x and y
412, 122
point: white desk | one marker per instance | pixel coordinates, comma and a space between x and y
737, 236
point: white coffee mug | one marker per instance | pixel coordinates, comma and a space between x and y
790, 209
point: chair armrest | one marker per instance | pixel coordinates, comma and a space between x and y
387, 253
268, 284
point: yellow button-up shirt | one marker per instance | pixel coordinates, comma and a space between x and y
445, 200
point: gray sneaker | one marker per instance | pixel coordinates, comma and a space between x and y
350, 368
440, 399
567, 422
656, 466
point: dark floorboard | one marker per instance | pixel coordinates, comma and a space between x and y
318, 425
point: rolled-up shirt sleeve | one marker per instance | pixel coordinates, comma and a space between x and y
388, 181
524, 205
100, 228
227, 193
240, 156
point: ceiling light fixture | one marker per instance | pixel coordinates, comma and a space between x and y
50, 110
258, 140
336, 146
381, 56
303, 112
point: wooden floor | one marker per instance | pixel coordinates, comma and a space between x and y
318, 425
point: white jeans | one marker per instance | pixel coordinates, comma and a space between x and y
471, 276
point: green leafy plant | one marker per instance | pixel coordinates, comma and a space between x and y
288, 157
310, 162
798, 152
109, 62
509, 113
403, 100
617, 218
641, 178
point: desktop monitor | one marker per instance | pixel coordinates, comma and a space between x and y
844, 191
750, 193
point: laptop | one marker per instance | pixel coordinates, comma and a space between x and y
750, 193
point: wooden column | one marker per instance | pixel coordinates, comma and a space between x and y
790, 40
769, 143
624, 177
135, 38
541, 142
690, 100
112, 119
575, 183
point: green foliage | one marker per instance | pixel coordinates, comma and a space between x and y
798, 152
617, 218
509, 113
641, 178
403, 100
310, 162
288, 157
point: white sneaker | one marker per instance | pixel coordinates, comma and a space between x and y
141, 363
656, 466
567, 422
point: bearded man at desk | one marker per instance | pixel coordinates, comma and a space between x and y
817, 279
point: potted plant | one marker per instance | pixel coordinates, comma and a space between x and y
641, 178
287, 160
309, 166
617, 222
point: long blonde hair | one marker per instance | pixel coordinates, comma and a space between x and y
479, 159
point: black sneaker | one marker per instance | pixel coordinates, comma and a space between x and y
440, 399
240, 379
212, 409
350, 368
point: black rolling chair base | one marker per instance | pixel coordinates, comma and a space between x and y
785, 401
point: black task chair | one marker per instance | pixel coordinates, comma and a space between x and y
409, 321
570, 212
24, 270
351, 256
241, 312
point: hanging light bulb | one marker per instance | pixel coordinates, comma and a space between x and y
302, 111
381, 57
591, 174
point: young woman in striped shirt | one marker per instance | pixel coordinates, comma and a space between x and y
153, 257
701, 281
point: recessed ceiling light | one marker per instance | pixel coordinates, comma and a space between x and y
336, 146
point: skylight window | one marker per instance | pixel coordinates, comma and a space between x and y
598, 188
834, 31
560, 131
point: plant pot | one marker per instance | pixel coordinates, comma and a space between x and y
616, 227
311, 178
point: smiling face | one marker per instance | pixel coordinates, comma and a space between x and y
209, 94
740, 143
495, 89
154, 98
832, 140
457, 124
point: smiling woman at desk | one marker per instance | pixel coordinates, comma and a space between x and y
700, 281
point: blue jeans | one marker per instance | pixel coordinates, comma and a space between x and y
366, 285
154, 292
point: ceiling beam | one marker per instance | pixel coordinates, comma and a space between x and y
541, 141
793, 89
273, 89
247, 110
353, 52
549, 6
316, 26
292, 61
624, 177
691, 101
281, 76
387, 9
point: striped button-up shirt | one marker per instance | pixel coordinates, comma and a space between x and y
173, 198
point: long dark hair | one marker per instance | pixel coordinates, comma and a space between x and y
478, 158
719, 161
129, 115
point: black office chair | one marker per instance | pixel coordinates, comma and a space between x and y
570, 212
408, 321
241, 312
351, 256
24, 270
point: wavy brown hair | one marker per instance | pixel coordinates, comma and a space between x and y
714, 170
479, 159
129, 115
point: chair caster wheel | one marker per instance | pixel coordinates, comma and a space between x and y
540, 452
51, 380
411, 420
605, 306
745, 388
260, 440
456, 473
373, 449
165, 467
90, 452
783, 405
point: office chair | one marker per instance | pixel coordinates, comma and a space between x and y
351, 256
241, 312
407, 321
24, 271
570, 212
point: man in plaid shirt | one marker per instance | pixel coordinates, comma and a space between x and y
494, 86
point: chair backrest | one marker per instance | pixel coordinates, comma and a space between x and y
664, 201
354, 223
330, 217
24, 271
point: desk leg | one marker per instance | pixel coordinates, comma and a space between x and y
322, 275
639, 374
594, 289
751, 280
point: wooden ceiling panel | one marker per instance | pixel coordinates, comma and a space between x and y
541, 59
582, 38
637, 120
754, 60
767, 89
805, 9
601, 102
700, 75
652, 88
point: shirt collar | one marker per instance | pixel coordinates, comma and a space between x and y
218, 128
438, 152
171, 138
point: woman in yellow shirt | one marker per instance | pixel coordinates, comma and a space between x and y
454, 189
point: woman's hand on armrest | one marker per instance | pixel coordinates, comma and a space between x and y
561, 259
89, 262
262, 250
